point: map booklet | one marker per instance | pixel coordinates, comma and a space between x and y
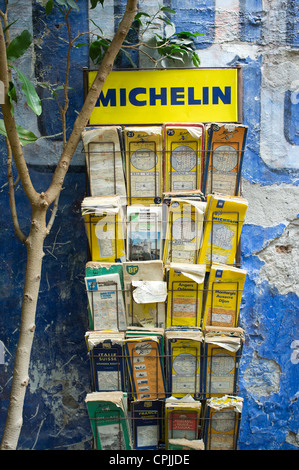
183, 156
224, 154
222, 351
223, 296
222, 422
224, 218
143, 147
104, 161
182, 418
108, 415
105, 228
144, 233
107, 361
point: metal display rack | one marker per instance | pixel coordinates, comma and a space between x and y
215, 372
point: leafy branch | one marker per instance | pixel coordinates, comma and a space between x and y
16, 49
176, 46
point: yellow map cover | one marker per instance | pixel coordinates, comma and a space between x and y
184, 362
105, 228
185, 294
222, 354
183, 156
182, 418
224, 294
225, 146
224, 218
222, 422
183, 231
144, 146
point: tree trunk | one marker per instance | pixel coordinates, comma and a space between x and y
34, 245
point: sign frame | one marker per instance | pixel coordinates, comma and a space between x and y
144, 117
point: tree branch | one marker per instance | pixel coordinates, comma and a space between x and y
53, 215
11, 185
10, 127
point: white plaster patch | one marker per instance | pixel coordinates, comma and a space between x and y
275, 150
281, 260
227, 25
270, 205
227, 45
274, 22
281, 76
104, 18
151, 7
280, 70
224, 54
293, 438
295, 352
262, 377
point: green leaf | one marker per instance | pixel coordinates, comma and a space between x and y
25, 136
128, 56
80, 44
73, 4
97, 49
32, 97
18, 45
12, 97
165, 19
61, 87
169, 10
12, 92
9, 25
49, 7
97, 26
187, 33
141, 13
196, 60
95, 2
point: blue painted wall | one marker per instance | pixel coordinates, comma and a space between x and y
263, 38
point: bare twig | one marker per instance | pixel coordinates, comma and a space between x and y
53, 215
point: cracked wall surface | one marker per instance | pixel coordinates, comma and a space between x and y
280, 268
262, 378
261, 36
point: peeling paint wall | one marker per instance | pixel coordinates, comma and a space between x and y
261, 36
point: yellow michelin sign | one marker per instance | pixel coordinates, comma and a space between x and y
173, 95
